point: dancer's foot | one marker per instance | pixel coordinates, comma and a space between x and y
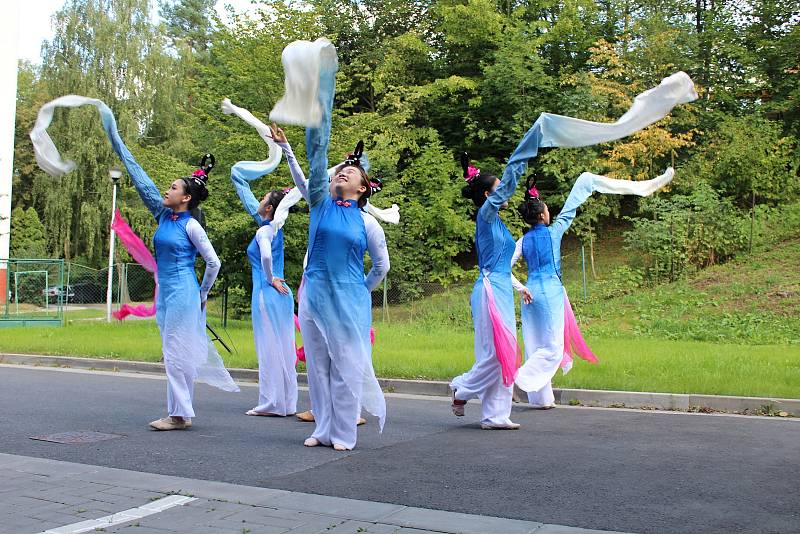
338, 447
312, 442
262, 414
458, 406
361, 421
169, 423
543, 406
188, 422
506, 426
306, 417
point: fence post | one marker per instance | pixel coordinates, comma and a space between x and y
752, 220
66, 286
385, 300
583, 269
225, 305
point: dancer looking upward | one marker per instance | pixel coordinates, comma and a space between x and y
335, 308
272, 304
549, 328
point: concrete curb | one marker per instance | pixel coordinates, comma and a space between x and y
576, 397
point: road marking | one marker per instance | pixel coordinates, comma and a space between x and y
123, 517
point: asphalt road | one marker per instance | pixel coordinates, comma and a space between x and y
605, 469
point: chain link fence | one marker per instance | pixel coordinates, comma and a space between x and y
87, 288
33, 291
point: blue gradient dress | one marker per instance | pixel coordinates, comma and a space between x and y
495, 247
188, 352
335, 306
272, 312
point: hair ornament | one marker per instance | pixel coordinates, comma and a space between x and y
354, 158
470, 172
530, 188
375, 184
200, 176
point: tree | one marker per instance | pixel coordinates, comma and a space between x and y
27, 234
189, 22
107, 49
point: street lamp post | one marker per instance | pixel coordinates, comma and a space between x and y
115, 173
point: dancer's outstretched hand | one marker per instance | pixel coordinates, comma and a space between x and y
527, 298
277, 283
277, 133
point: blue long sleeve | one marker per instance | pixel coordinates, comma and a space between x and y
241, 175
144, 185
527, 149
581, 191
317, 140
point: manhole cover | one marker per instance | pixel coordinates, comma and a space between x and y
80, 436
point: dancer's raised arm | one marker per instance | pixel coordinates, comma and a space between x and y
587, 183
318, 139
243, 172
527, 149
298, 176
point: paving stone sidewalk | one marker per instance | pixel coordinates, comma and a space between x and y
40, 495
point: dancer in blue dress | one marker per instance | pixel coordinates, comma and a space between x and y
188, 353
549, 328
272, 304
335, 305
496, 353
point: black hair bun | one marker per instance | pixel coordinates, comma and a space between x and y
207, 164
466, 191
465, 163
354, 158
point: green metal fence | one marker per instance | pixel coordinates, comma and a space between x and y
35, 294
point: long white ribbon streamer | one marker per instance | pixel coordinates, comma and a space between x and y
301, 64
648, 107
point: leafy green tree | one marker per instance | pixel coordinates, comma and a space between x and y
27, 234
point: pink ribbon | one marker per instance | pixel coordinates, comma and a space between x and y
345, 203
573, 339
505, 341
141, 254
472, 172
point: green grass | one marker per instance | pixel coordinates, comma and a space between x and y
731, 329
408, 350
754, 299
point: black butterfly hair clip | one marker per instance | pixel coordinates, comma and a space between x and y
355, 157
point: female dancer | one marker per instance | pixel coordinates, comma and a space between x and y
272, 304
188, 353
549, 328
181, 307
335, 305
389, 215
491, 377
